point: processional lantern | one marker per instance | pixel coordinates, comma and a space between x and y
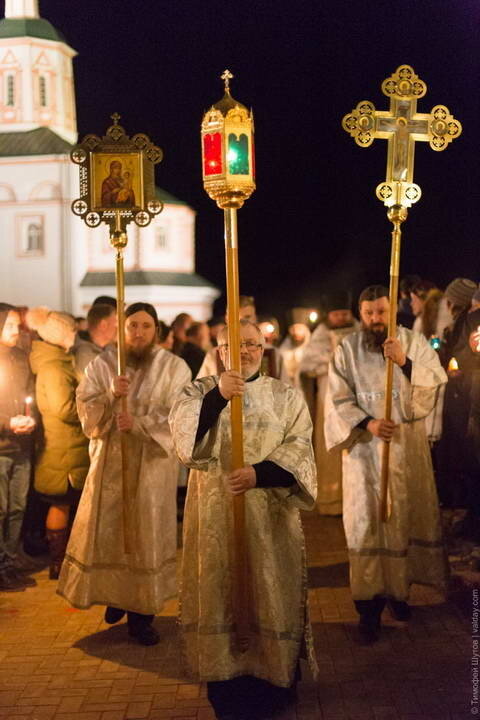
402, 126
117, 186
228, 168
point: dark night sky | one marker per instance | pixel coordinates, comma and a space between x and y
314, 220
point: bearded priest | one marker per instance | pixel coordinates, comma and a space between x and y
386, 557
96, 570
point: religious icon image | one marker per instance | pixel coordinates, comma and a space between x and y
117, 181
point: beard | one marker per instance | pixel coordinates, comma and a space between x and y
137, 356
375, 336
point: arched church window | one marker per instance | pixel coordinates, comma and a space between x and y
10, 90
161, 238
34, 237
43, 91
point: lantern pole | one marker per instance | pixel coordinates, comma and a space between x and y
402, 126
227, 153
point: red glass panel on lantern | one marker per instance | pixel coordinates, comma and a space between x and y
212, 154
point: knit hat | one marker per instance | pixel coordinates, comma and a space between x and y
460, 292
340, 300
52, 326
5, 308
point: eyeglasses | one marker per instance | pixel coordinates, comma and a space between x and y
247, 344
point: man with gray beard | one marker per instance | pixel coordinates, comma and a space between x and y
385, 557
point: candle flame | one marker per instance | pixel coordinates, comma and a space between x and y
453, 364
29, 400
313, 317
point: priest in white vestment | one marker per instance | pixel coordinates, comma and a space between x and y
338, 323
278, 479
96, 569
386, 558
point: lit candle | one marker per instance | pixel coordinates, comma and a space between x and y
452, 365
313, 317
28, 402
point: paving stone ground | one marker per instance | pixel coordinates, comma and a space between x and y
57, 663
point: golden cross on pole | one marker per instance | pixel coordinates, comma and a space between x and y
401, 126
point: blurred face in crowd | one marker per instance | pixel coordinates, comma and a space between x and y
339, 318
10, 330
417, 304
140, 333
298, 332
180, 328
167, 344
109, 328
251, 350
374, 317
203, 336
248, 313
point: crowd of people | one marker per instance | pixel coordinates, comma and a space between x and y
91, 463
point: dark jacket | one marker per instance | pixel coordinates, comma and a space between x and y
16, 384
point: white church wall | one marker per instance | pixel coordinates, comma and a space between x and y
168, 243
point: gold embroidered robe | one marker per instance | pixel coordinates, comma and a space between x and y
96, 570
277, 427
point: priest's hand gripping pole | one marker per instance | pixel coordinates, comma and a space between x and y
401, 125
103, 198
228, 178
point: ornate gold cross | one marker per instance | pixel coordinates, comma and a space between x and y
402, 126
226, 77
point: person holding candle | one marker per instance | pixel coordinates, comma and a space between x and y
17, 424
63, 461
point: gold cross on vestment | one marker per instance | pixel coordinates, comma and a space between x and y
402, 126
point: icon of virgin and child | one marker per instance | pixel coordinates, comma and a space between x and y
117, 188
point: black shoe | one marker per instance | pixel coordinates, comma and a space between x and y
18, 575
399, 609
369, 632
113, 615
10, 582
145, 635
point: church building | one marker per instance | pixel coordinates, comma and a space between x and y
49, 256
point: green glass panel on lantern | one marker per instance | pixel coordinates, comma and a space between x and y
237, 155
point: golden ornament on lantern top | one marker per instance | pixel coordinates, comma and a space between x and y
228, 160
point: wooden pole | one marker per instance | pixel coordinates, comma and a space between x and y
396, 214
119, 241
240, 578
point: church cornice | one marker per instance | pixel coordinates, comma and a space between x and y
146, 277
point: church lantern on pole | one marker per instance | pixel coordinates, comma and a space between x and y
229, 179
117, 186
228, 160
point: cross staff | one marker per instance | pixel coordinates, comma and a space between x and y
401, 126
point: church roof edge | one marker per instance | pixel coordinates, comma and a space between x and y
146, 277
30, 27
167, 198
41, 141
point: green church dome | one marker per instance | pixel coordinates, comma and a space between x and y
29, 27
